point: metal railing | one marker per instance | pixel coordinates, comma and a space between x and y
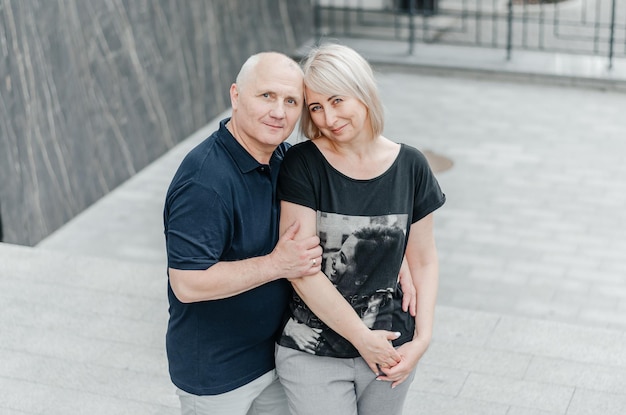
592, 27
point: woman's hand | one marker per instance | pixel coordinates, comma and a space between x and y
376, 349
410, 353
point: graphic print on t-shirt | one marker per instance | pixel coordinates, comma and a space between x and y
362, 258
360, 249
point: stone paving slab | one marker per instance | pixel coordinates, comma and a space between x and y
484, 363
82, 335
86, 335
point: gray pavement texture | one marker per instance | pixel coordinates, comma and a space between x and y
531, 318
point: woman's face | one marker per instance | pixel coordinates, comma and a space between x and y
340, 118
344, 261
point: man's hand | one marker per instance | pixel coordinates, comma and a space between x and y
409, 294
297, 258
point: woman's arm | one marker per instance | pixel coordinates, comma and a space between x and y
328, 304
424, 265
423, 262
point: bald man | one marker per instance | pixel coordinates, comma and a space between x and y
228, 269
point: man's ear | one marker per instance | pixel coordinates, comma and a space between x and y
234, 96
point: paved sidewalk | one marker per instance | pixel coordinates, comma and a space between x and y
532, 311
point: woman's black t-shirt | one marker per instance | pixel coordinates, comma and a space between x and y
363, 226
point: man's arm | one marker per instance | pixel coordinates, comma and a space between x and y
409, 295
290, 259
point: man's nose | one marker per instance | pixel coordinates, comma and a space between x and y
278, 110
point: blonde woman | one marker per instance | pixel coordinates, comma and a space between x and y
348, 177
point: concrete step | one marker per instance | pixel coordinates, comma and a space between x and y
535, 67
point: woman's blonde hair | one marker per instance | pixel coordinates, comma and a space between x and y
333, 69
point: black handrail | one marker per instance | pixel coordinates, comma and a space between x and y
509, 32
560, 26
612, 36
1, 234
411, 26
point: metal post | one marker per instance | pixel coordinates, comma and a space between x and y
411, 25
426, 13
316, 21
612, 36
509, 35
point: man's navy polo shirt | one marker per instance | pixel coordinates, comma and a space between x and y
222, 206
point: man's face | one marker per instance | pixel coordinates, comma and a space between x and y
267, 106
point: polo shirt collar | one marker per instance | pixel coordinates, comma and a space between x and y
242, 158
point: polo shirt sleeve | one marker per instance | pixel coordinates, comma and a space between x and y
198, 227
